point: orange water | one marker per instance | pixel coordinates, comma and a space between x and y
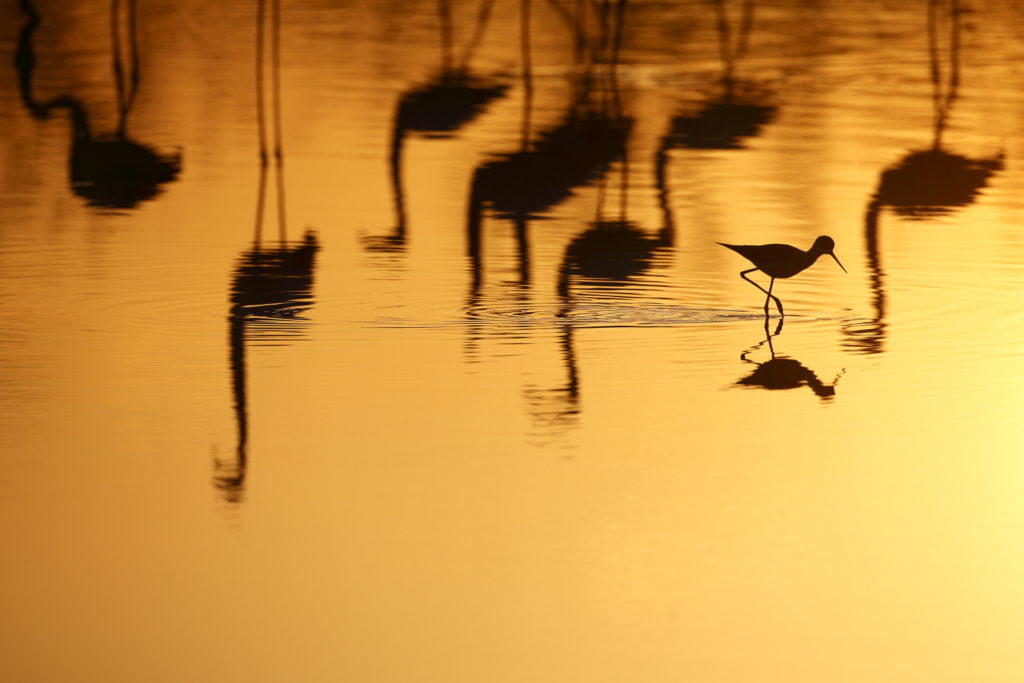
477, 447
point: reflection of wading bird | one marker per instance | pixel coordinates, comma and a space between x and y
611, 252
932, 181
781, 372
726, 120
270, 288
108, 170
271, 285
548, 167
523, 185
924, 183
738, 112
781, 261
450, 100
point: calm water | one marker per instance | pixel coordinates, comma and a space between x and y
459, 386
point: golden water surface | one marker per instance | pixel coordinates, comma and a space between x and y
457, 386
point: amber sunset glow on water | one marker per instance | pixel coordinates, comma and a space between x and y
392, 341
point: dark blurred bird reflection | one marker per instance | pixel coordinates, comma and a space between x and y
740, 109
934, 181
610, 252
522, 185
437, 109
782, 372
613, 250
272, 284
111, 169
270, 288
924, 183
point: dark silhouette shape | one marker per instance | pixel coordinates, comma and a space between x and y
529, 182
781, 261
443, 105
270, 288
608, 253
558, 409
782, 372
740, 110
613, 250
270, 134
109, 170
25, 61
275, 281
272, 285
524, 185
924, 183
932, 181
722, 124
113, 171
869, 336
521, 186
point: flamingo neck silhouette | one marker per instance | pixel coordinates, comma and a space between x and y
79, 118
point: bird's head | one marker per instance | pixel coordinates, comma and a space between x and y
826, 245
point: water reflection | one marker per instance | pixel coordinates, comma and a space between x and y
933, 181
107, 169
924, 183
272, 284
548, 167
442, 509
741, 107
437, 109
782, 372
557, 410
544, 171
270, 288
611, 252
25, 60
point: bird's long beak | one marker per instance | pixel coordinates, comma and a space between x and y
832, 254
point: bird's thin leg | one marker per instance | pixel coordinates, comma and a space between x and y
744, 276
766, 291
778, 302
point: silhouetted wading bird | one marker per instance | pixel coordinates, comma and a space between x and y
781, 261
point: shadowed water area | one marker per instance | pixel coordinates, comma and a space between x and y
393, 341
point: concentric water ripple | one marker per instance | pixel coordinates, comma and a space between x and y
587, 315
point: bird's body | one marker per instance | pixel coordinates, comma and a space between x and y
775, 260
781, 261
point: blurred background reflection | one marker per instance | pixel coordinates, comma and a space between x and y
108, 169
482, 404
